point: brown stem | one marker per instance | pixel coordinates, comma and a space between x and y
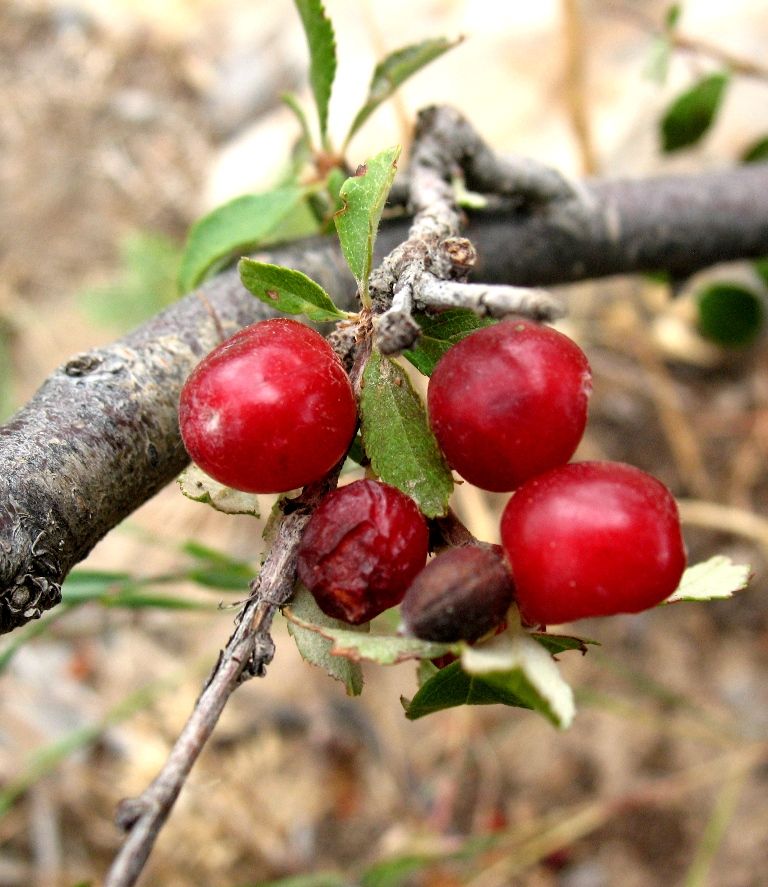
247, 654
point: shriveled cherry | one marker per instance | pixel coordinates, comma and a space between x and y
461, 594
508, 402
592, 539
269, 410
361, 549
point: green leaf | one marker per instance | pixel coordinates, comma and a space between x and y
363, 197
714, 579
761, 269
234, 227
321, 879
384, 649
314, 647
451, 687
757, 152
397, 438
657, 65
288, 291
394, 70
356, 452
561, 643
195, 484
144, 283
729, 314
46, 759
322, 56
672, 16
439, 332
515, 663
291, 101
692, 113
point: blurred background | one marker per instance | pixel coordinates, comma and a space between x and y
122, 122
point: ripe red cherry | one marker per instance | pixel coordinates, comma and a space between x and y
361, 549
269, 410
508, 402
592, 539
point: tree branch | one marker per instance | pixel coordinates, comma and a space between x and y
100, 437
247, 654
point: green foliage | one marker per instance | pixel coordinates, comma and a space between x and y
321, 879
730, 314
394, 70
757, 152
316, 647
288, 291
397, 437
234, 228
144, 283
46, 759
291, 101
561, 643
761, 269
693, 112
710, 580
451, 687
516, 664
363, 197
382, 649
439, 332
322, 56
672, 17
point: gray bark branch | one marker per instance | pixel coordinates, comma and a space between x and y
100, 437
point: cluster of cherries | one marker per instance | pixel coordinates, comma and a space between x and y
272, 409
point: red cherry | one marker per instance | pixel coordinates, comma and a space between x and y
592, 539
508, 402
361, 549
269, 410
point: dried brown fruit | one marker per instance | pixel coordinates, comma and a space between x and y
461, 594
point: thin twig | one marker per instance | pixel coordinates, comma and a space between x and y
429, 270
247, 653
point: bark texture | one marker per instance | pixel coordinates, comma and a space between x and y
100, 437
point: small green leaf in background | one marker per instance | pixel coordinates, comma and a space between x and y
195, 484
561, 643
288, 291
143, 284
394, 70
761, 269
215, 569
321, 879
757, 152
714, 579
729, 314
235, 227
291, 101
314, 647
397, 437
439, 332
451, 687
44, 760
356, 646
363, 197
692, 113
515, 663
322, 56
657, 65
672, 16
